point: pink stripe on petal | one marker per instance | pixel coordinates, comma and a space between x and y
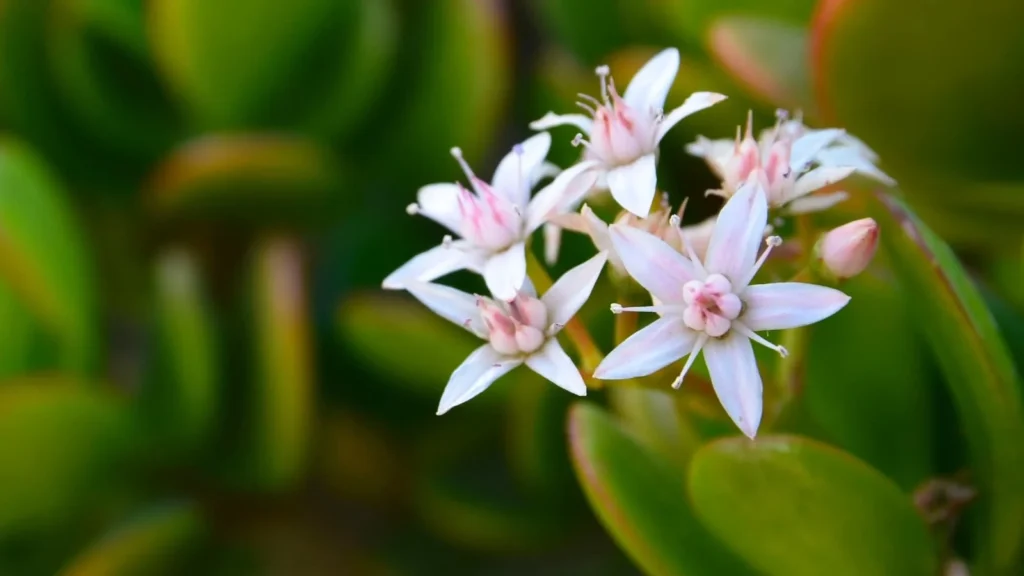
789, 305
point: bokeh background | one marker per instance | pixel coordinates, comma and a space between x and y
199, 199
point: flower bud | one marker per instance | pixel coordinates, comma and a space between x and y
847, 250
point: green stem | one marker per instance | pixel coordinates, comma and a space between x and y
590, 354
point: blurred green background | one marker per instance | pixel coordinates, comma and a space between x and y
199, 199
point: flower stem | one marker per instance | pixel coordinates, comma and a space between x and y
590, 354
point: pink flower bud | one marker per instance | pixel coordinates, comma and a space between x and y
847, 250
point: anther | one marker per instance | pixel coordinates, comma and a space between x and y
675, 220
457, 154
773, 241
412, 209
616, 308
578, 140
447, 241
518, 149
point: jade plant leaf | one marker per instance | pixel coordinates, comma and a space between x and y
52, 279
159, 541
692, 20
979, 372
641, 500
790, 506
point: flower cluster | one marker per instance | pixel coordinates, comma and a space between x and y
700, 278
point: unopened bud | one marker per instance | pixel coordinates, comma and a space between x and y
529, 310
529, 339
847, 250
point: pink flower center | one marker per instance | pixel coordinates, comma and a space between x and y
516, 327
711, 305
621, 134
488, 220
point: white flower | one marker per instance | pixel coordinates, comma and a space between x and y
624, 132
712, 307
520, 331
494, 221
781, 162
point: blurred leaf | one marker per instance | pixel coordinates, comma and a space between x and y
404, 341
692, 19
22, 336
455, 59
768, 58
791, 506
64, 449
52, 278
880, 411
179, 401
536, 432
281, 403
652, 417
985, 387
246, 177
592, 29
359, 459
156, 542
102, 68
872, 74
641, 500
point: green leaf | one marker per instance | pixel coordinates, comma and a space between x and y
769, 59
606, 26
879, 410
160, 541
103, 69
641, 500
256, 178
281, 402
692, 19
536, 429
791, 506
179, 401
52, 279
874, 75
379, 328
985, 387
64, 448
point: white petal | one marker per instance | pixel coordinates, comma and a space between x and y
633, 186
695, 103
475, 375
568, 188
645, 352
859, 160
550, 120
738, 232
597, 229
505, 271
736, 379
807, 147
568, 294
649, 87
789, 305
453, 305
652, 263
815, 203
546, 170
432, 264
554, 364
440, 203
715, 152
552, 241
817, 179
513, 178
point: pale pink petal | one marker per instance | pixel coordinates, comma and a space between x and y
862, 160
568, 188
715, 152
514, 176
440, 203
550, 120
453, 305
433, 264
807, 147
633, 186
504, 272
817, 179
736, 379
568, 294
597, 229
789, 304
816, 202
695, 103
553, 363
475, 375
652, 263
648, 89
648, 350
546, 170
552, 242
738, 232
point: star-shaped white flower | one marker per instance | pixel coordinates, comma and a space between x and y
493, 220
624, 132
782, 163
712, 307
520, 331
